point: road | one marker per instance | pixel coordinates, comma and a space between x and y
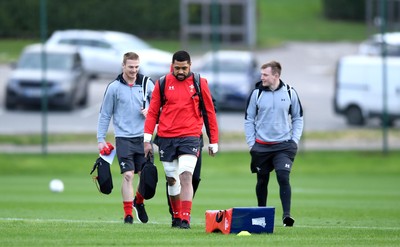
308, 67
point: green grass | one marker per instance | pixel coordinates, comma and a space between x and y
278, 22
89, 138
339, 199
36, 139
293, 20
10, 49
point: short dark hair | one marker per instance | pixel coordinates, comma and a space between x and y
276, 67
130, 56
181, 56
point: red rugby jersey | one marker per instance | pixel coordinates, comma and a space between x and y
180, 115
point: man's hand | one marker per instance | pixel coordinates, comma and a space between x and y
101, 145
105, 148
148, 149
212, 149
144, 112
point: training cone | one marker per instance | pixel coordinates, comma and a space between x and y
244, 233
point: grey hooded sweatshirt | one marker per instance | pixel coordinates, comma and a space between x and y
273, 116
123, 104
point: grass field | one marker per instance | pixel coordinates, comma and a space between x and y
293, 20
363, 135
339, 199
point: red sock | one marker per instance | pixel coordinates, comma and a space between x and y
176, 208
128, 208
186, 208
139, 198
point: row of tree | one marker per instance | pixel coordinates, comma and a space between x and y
145, 18
353, 10
150, 18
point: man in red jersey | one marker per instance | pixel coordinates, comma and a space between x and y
180, 123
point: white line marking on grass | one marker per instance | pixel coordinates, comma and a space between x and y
137, 222
60, 220
352, 227
69, 221
343, 192
83, 221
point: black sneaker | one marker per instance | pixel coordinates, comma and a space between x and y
288, 221
128, 219
141, 214
185, 224
176, 223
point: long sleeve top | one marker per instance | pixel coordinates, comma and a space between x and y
123, 103
180, 115
273, 116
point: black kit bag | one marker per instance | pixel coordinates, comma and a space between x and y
148, 179
103, 180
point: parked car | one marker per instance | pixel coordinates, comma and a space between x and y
102, 52
373, 45
359, 88
66, 80
231, 76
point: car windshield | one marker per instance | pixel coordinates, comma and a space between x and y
235, 66
55, 61
393, 50
373, 45
128, 41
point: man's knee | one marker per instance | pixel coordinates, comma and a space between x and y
174, 186
171, 181
282, 177
262, 178
171, 172
128, 176
186, 177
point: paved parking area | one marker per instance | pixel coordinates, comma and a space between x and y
308, 67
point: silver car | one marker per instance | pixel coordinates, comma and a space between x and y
102, 52
64, 83
231, 76
373, 45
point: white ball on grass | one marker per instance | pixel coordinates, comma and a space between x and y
56, 185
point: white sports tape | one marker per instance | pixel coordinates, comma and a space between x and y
187, 162
174, 189
171, 170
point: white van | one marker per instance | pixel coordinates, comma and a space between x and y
359, 88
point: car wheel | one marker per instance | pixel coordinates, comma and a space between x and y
9, 104
354, 116
84, 100
389, 123
70, 104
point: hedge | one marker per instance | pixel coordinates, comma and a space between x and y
149, 18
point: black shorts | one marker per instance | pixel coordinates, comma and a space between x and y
266, 158
171, 148
130, 153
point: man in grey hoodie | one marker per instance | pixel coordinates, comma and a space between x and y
273, 127
126, 101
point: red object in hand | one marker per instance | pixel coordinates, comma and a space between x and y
110, 146
107, 149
